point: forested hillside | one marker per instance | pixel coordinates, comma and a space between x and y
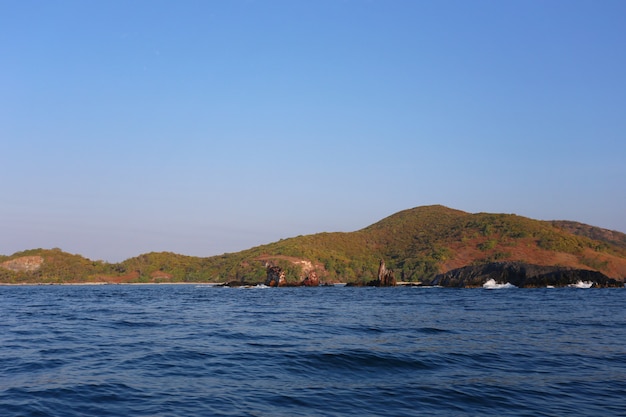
417, 243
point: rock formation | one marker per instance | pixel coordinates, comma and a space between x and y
23, 264
521, 275
275, 276
386, 277
311, 280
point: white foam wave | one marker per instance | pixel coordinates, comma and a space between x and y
248, 287
582, 284
493, 285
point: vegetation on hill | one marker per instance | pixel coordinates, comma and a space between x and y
418, 244
57, 267
603, 235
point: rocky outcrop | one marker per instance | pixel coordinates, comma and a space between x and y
521, 275
160, 275
386, 277
275, 276
23, 264
311, 280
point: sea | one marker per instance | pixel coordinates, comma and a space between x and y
199, 350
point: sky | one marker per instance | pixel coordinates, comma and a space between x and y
207, 127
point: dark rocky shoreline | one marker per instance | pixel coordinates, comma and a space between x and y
522, 275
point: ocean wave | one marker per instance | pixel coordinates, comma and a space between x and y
358, 362
493, 285
258, 286
582, 284
432, 330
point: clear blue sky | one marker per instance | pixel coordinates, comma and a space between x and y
204, 127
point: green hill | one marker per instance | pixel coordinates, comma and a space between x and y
50, 266
417, 243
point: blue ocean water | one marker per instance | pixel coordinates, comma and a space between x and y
185, 350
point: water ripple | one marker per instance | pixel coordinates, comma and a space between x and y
187, 350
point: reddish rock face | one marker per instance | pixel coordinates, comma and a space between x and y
311, 280
160, 275
24, 263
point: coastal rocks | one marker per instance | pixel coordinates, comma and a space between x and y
238, 284
311, 280
521, 275
23, 264
160, 275
275, 276
386, 277
295, 271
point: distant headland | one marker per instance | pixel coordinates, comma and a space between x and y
429, 245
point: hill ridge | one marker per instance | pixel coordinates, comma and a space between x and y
418, 243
